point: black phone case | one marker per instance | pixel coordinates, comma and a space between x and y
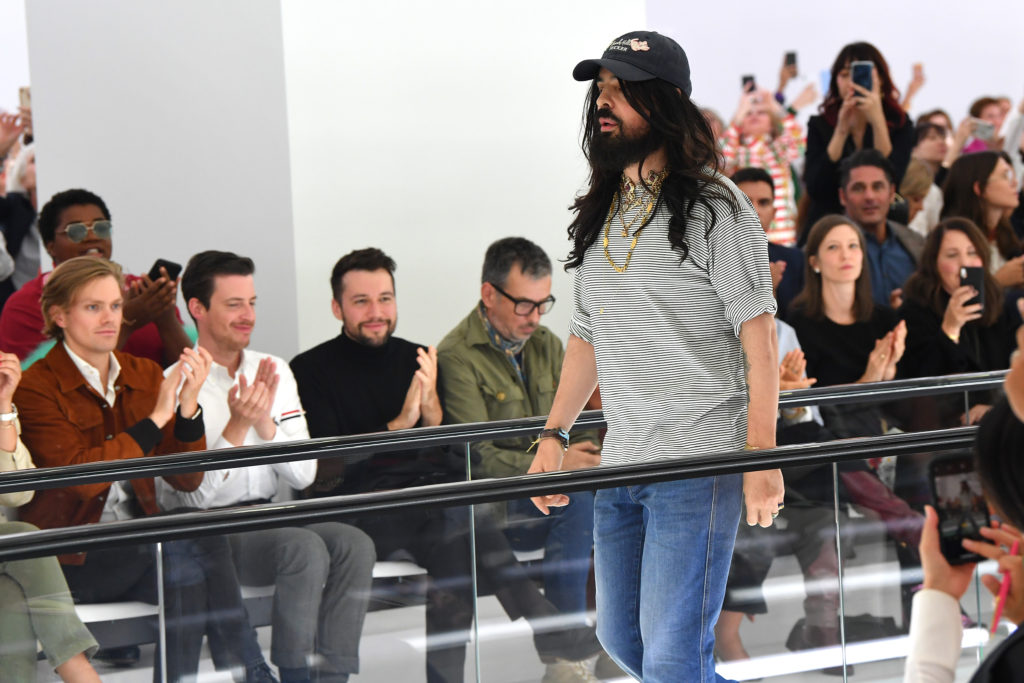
951, 548
975, 278
173, 269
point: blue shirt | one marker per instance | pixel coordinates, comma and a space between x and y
890, 265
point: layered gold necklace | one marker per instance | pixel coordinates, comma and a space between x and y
628, 197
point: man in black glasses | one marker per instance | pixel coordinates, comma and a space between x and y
77, 223
500, 363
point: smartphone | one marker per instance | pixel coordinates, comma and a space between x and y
790, 59
983, 130
173, 270
748, 83
975, 277
960, 502
25, 96
861, 73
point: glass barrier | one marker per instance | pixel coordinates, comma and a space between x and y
402, 567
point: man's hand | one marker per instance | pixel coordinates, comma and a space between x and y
146, 301
763, 493
548, 459
248, 404
430, 404
194, 365
581, 455
939, 574
896, 298
266, 374
410, 415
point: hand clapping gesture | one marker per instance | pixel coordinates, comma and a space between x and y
146, 301
250, 405
792, 371
887, 353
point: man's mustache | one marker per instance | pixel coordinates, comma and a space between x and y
605, 113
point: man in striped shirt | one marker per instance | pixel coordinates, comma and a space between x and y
673, 313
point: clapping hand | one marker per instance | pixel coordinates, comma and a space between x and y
11, 128
791, 371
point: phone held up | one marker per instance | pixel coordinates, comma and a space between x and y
975, 277
983, 130
173, 270
862, 73
748, 83
962, 509
790, 59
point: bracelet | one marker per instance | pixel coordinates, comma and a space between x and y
748, 447
554, 433
9, 417
955, 338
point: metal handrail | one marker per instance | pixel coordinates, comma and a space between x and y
351, 448
233, 520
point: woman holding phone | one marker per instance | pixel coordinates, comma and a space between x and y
983, 188
853, 117
953, 326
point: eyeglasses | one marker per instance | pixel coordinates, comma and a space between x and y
525, 307
77, 232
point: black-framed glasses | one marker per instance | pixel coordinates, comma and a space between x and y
77, 232
525, 307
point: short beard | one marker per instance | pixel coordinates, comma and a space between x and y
364, 340
615, 152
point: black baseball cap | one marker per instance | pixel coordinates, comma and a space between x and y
641, 56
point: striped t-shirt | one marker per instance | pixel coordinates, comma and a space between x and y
666, 334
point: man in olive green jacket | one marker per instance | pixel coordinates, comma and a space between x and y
499, 363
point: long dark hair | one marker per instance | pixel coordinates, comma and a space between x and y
960, 199
894, 114
998, 462
924, 286
809, 301
693, 164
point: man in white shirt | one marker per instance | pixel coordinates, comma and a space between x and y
321, 572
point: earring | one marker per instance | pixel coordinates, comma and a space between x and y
817, 270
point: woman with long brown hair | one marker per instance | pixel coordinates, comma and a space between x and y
853, 118
982, 187
948, 331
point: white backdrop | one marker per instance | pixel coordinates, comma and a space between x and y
13, 52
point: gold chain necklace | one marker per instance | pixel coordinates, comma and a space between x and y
618, 206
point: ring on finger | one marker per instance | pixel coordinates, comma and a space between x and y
774, 515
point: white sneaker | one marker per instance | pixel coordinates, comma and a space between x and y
564, 671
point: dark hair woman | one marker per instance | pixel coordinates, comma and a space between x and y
853, 118
982, 187
846, 336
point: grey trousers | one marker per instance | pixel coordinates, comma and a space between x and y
322, 575
35, 604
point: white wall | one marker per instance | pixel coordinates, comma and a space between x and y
174, 113
967, 50
431, 130
13, 52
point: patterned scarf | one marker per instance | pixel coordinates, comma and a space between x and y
513, 350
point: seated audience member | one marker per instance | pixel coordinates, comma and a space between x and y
853, 118
77, 223
846, 336
987, 110
931, 150
936, 629
35, 604
18, 222
764, 135
368, 380
1014, 383
787, 264
947, 330
923, 197
86, 402
500, 363
321, 572
891, 250
982, 187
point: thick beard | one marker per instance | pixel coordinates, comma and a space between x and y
614, 153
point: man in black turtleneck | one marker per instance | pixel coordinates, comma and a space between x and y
367, 380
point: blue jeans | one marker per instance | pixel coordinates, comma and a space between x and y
567, 536
662, 554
